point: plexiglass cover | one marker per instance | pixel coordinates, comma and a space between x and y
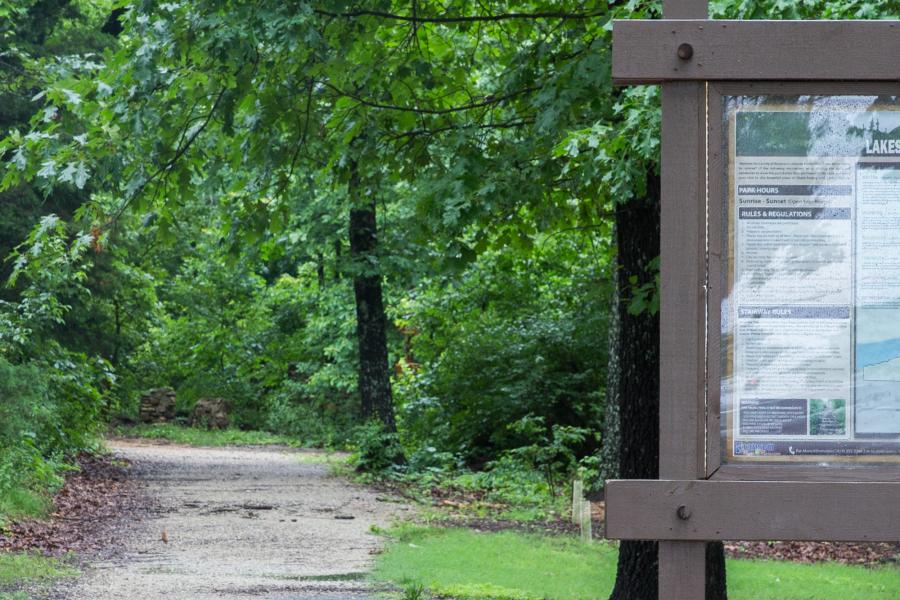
811, 316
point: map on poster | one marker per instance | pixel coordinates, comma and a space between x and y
812, 322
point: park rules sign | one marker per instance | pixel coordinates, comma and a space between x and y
811, 323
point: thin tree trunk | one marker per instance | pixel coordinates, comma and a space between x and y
637, 236
118, 341
338, 264
371, 322
609, 440
320, 270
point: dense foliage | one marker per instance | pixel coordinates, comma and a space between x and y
218, 153
224, 197
56, 357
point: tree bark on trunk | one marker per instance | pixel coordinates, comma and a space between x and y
609, 438
118, 343
637, 237
371, 322
637, 385
715, 572
320, 270
338, 260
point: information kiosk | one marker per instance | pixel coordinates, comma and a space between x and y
780, 306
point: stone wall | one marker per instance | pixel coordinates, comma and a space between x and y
212, 413
158, 406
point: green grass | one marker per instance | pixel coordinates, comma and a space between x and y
513, 566
17, 568
773, 580
336, 461
202, 437
466, 564
527, 514
17, 503
29, 571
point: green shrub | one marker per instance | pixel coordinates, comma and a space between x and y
29, 459
551, 453
312, 420
513, 357
541, 367
376, 450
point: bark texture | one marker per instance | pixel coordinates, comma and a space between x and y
371, 322
715, 572
637, 236
637, 387
609, 448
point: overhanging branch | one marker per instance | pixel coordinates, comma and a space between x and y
416, 19
489, 101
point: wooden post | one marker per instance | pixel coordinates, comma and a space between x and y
585, 525
682, 565
577, 498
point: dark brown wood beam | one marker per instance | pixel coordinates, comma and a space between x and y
682, 401
753, 510
647, 51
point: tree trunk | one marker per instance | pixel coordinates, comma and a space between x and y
320, 270
637, 385
371, 322
609, 439
637, 236
715, 572
118, 340
338, 264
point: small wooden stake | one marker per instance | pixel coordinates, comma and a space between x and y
586, 534
577, 497
581, 510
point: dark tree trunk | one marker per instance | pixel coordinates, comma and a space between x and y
371, 322
715, 572
338, 264
609, 439
118, 340
637, 236
320, 270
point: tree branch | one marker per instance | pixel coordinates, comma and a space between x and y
489, 101
463, 18
514, 124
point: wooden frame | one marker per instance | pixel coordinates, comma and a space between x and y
698, 498
682, 400
754, 510
648, 51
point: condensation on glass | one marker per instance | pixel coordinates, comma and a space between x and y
811, 315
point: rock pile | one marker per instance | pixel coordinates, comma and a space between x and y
158, 406
212, 413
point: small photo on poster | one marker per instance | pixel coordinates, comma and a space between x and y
827, 417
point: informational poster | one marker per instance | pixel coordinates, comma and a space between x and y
811, 324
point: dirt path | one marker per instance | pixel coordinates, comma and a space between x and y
241, 523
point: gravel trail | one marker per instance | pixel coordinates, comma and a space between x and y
240, 523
